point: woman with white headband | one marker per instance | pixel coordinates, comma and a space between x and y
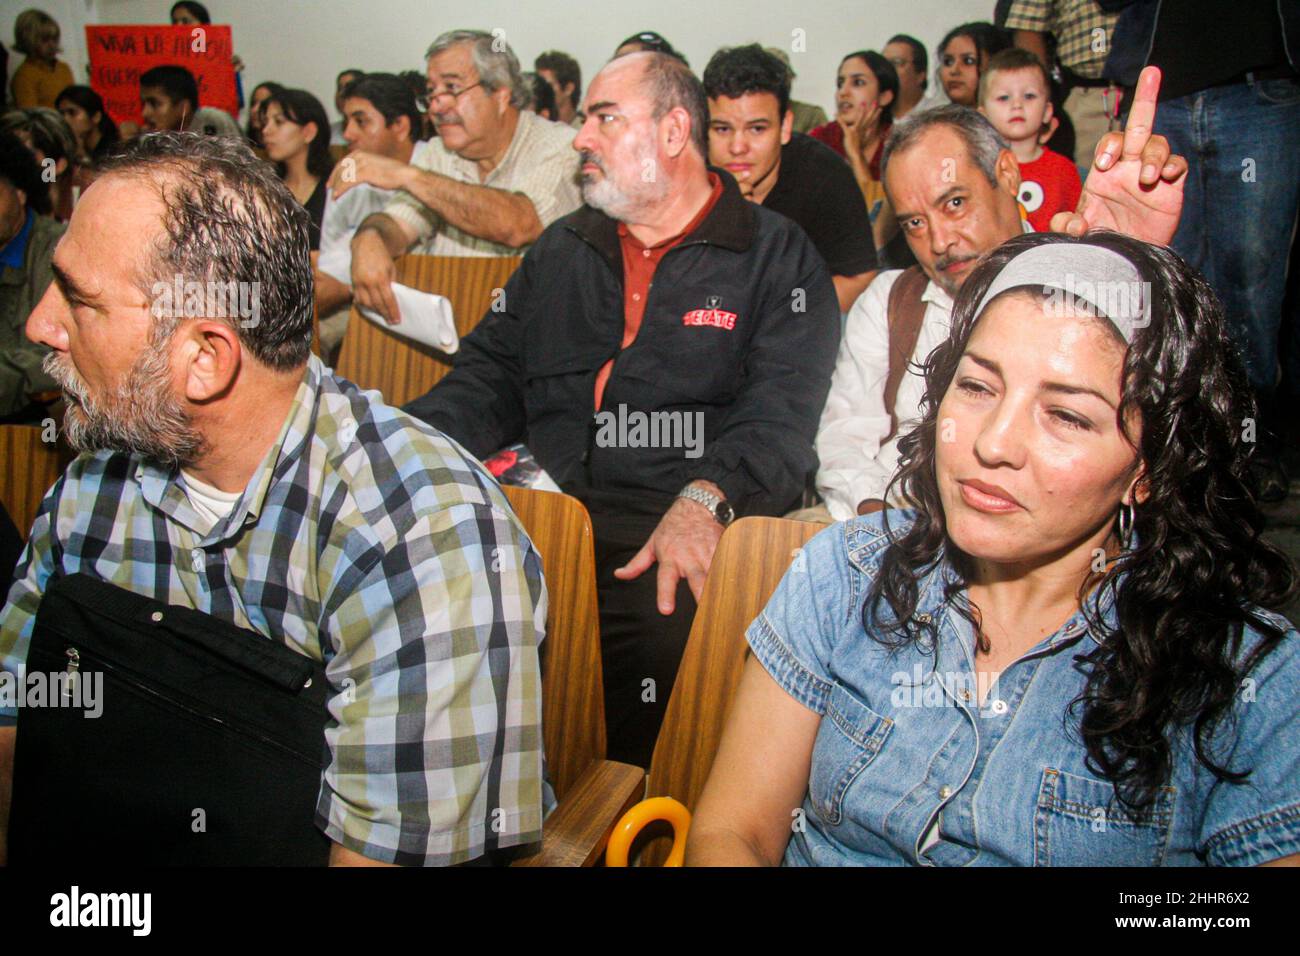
1061, 654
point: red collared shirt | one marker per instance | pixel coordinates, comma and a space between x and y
639, 264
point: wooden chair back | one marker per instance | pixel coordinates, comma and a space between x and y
30, 466
573, 698
751, 559
400, 369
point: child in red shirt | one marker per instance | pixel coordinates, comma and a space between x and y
1015, 96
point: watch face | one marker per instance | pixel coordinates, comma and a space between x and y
724, 512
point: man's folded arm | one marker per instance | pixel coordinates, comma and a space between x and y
496, 215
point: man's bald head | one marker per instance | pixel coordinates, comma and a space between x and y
669, 84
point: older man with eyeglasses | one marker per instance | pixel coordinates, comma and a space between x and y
495, 177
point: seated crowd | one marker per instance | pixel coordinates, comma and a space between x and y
1042, 496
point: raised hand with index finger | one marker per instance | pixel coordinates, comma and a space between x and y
1135, 185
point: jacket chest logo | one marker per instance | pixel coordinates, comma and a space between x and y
712, 315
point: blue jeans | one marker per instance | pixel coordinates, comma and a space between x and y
1242, 143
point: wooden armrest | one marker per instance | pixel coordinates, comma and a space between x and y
577, 830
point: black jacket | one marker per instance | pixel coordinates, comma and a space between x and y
527, 373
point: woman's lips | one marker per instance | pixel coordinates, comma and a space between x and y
988, 498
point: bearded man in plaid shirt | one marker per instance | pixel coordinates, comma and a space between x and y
225, 469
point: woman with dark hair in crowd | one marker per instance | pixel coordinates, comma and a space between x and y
297, 139
45, 133
188, 12
1065, 652
257, 110
865, 89
963, 54
83, 110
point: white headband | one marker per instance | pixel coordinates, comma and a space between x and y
1091, 279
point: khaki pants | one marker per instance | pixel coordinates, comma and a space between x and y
1084, 104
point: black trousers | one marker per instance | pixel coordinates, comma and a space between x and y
640, 647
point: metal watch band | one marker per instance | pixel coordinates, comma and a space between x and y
711, 501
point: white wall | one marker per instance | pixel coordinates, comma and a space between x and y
304, 43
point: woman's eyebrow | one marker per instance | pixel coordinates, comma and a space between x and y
1061, 387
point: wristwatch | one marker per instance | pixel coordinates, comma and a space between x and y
722, 511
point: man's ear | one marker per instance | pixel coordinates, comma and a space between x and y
402, 127
502, 96
787, 127
676, 131
1007, 171
212, 355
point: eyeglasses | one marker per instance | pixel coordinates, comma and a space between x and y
425, 102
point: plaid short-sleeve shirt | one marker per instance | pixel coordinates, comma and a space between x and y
368, 541
540, 164
1081, 27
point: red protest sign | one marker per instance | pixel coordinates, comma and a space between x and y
119, 54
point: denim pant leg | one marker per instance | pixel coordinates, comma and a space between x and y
1245, 139
1179, 121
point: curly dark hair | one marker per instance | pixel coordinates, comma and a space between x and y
734, 71
1198, 567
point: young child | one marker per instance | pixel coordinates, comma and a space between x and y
1015, 96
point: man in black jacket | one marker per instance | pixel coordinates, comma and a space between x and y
664, 352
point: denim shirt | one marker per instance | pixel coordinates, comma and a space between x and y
903, 738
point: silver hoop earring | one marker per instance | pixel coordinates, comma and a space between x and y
1125, 526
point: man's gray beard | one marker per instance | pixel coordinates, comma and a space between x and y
623, 204
139, 416
608, 198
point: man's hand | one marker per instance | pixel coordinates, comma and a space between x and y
1135, 185
381, 172
373, 274
683, 544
